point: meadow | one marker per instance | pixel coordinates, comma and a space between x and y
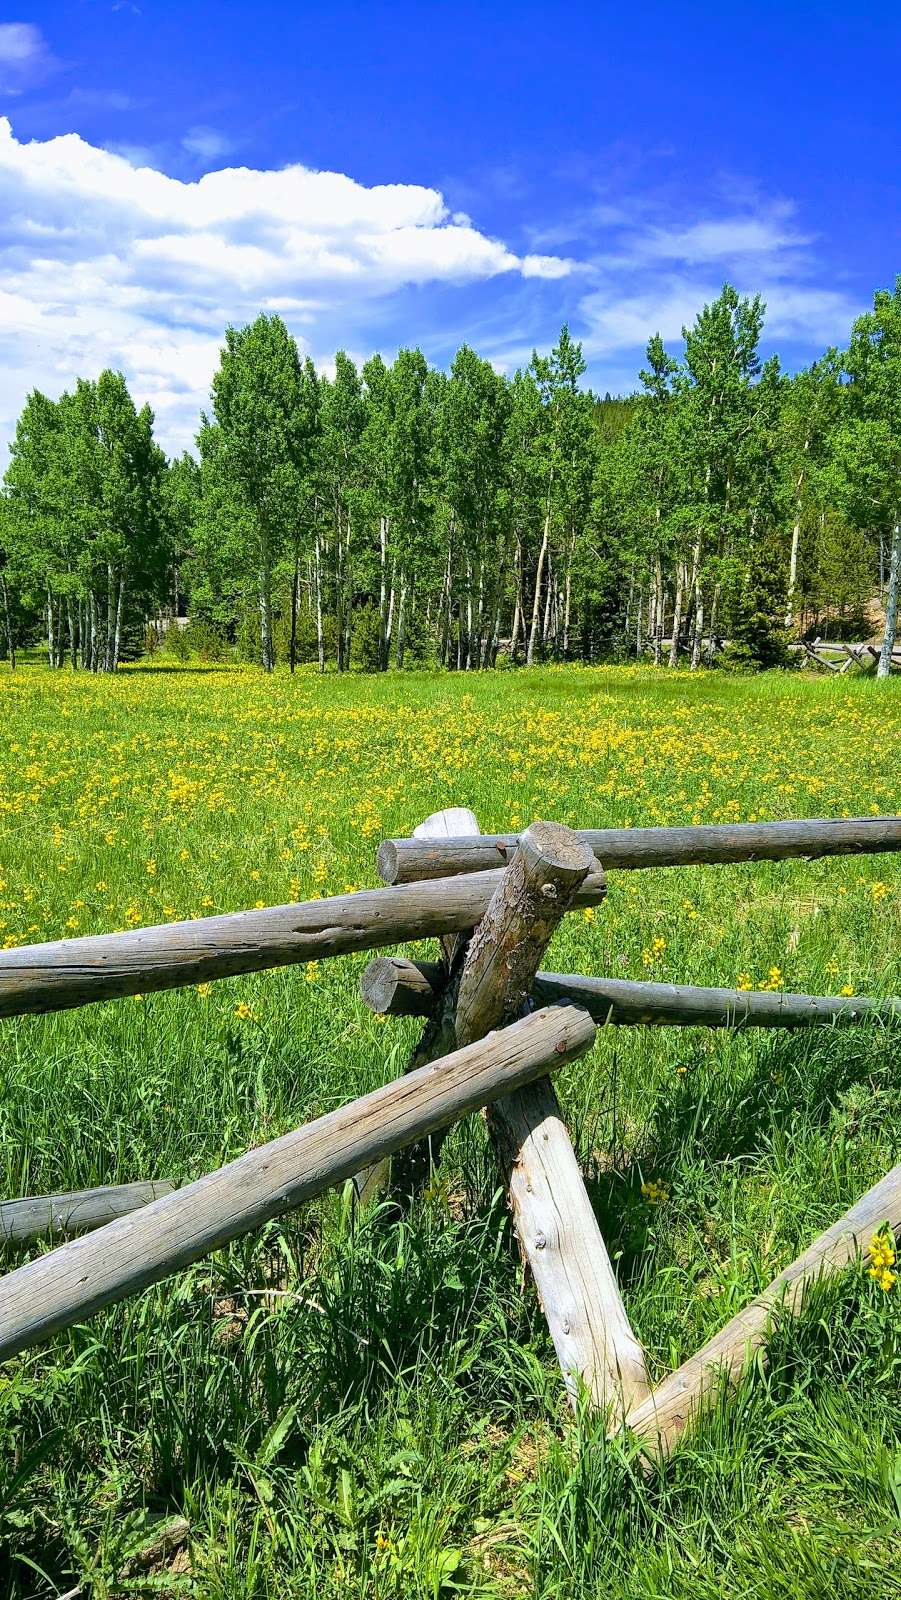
368, 1404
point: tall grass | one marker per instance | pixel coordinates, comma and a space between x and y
369, 1405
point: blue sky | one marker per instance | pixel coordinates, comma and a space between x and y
429, 174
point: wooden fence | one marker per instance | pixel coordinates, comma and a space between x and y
493, 901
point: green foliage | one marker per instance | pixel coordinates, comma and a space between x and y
448, 515
367, 642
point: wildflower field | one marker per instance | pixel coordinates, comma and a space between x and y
369, 1405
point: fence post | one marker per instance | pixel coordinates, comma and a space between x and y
487, 982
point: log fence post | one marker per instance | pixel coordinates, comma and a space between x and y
486, 984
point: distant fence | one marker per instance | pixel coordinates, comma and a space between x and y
493, 901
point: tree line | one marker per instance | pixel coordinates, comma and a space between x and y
398, 514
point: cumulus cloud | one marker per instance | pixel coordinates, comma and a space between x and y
108, 261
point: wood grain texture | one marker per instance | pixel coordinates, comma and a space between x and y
563, 1244
663, 1417
620, 1000
76, 1212
445, 825
552, 1214
414, 860
73, 972
72, 1282
416, 1162
395, 987
538, 887
391, 986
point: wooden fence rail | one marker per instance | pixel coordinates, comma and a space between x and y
415, 860
78, 1211
77, 1279
394, 987
494, 902
73, 972
662, 1417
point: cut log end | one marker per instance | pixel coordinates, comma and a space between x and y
386, 861
393, 987
557, 853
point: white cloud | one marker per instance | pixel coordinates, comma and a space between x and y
617, 321
720, 239
19, 42
24, 57
206, 144
653, 275
108, 261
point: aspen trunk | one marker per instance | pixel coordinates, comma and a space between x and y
698, 632
320, 637
401, 622
548, 602
792, 573
339, 589
677, 614
51, 657
267, 652
539, 576
117, 632
714, 608
70, 623
518, 607
383, 593
10, 644
891, 604
468, 615
491, 644
348, 599
295, 587
444, 613
480, 617
658, 602
110, 619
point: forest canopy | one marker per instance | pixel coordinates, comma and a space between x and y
390, 515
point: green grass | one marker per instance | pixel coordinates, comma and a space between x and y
369, 1405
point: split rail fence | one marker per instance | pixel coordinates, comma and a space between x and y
497, 1027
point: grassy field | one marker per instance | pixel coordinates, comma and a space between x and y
369, 1406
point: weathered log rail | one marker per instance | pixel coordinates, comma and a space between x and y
405, 861
78, 1211
394, 987
664, 1415
74, 972
78, 1278
493, 901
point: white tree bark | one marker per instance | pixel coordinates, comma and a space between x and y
891, 604
539, 576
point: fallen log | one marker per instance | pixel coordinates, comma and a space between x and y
664, 1415
394, 987
415, 860
79, 1211
77, 1279
72, 972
